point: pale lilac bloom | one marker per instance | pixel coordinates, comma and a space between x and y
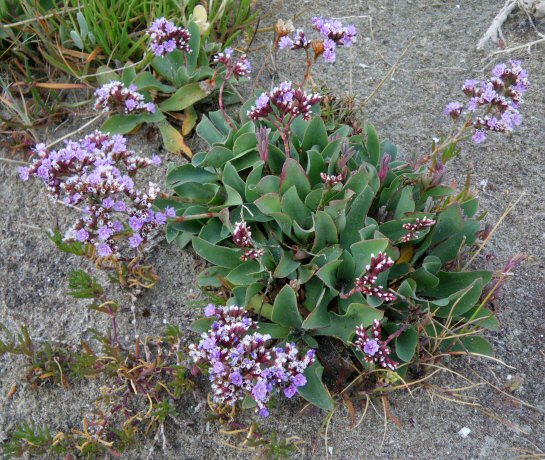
135, 240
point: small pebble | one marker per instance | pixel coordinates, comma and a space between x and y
464, 432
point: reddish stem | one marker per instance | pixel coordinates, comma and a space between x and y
222, 108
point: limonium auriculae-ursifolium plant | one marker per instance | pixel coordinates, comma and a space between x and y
180, 77
243, 364
326, 234
97, 175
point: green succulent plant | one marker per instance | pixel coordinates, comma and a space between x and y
319, 217
177, 85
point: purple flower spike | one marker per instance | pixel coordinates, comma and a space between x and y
165, 37
115, 96
374, 349
241, 364
96, 172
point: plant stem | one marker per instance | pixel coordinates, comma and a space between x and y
222, 108
205, 215
397, 333
114, 328
307, 70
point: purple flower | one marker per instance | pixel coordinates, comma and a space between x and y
104, 250
371, 347
170, 212
136, 223
299, 380
290, 391
120, 206
209, 344
285, 42
218, 368
131, 104
108, 203
82, 235
115, 96
160, 218
262, 101
236, 378
135, 240
156, 159
24, 173
260, 391
479, 136
453, 109
210, 310
118, 227
264, 412
104, 232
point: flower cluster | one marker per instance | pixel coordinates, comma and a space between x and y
333, 34
242, 237
373, 348
497, 100
234, 67
242, 364
116, 96
166, 37
331, 180
367, 284
413, 229
299, 41
284, 100
97, 172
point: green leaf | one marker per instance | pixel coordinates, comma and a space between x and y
217, 255
218, 156
462, 301
286, 266
343, 326
269, 204
276, 331
106, 75
315, 391
356, 216
372, 144
293, 174
195, 45
184, 97
473, 344
189, 173
146, 81
405, 203
326, 231
201, 325
293, 206
77, 39
405, 345
285, 311
328, 273
246, 273
315, 134
124, 124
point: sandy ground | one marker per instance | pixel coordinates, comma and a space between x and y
407, 110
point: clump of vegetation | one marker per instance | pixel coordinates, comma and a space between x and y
335, 265
141, 384
327, 236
